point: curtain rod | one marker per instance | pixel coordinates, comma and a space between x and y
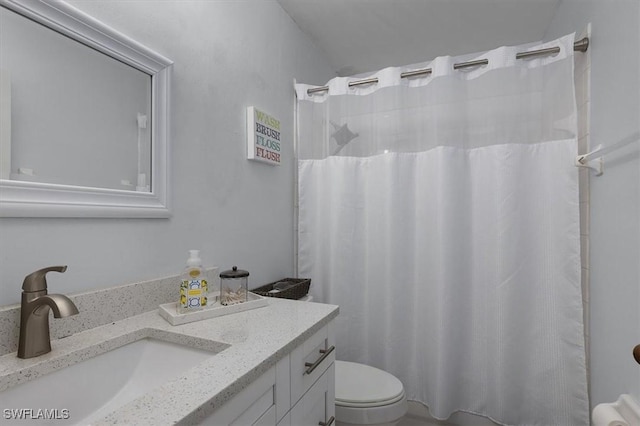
579, 46
584, 160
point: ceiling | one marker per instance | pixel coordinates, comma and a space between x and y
366, 35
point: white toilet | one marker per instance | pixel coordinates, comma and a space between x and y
366, 395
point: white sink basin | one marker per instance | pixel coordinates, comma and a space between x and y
93, 388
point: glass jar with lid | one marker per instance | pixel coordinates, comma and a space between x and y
234, 286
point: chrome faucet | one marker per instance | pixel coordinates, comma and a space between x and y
34, 313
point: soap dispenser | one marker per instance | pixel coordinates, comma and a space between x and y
193, 285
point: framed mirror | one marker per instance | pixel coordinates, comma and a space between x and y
84, 117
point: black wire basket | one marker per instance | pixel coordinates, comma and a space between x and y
286, 288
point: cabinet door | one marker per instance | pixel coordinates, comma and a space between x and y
317, 407
283, 387
286, 420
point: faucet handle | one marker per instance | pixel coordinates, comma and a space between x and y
37, 281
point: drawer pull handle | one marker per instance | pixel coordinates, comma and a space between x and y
312, 365
329, 423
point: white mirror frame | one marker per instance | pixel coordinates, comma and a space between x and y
32, 199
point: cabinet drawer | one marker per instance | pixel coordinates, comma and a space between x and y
316, 407
249, 405
268, 418
310, 360
256, 412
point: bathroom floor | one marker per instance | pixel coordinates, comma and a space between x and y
411, 420
418, 415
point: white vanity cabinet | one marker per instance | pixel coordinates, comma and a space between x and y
298, 391
317, 406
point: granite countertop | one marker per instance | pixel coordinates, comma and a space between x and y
247, 344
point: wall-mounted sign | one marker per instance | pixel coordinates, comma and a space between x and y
263, 137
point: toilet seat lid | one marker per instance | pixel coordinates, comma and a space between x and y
363, 384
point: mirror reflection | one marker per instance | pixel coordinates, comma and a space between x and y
70, 114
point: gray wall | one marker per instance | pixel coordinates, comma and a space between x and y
615, 196
227, 55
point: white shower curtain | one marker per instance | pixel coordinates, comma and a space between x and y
441, 213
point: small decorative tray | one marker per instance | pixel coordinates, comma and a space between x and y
169, 311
